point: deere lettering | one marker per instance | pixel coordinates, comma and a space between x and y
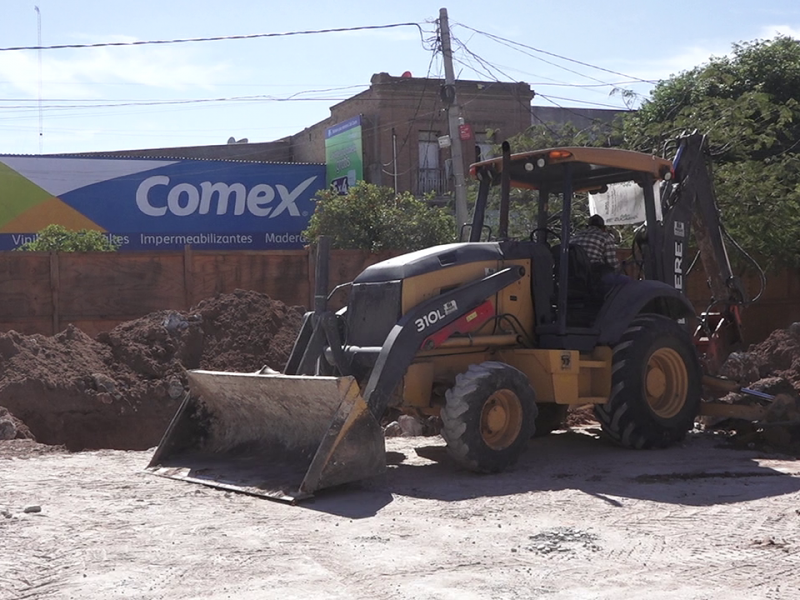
678, 265
184, 199
680, 231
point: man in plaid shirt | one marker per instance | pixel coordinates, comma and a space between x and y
601, 250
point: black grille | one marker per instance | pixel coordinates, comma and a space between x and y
372, 311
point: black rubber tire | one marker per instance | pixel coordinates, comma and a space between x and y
490, 393
655, 385
551, 417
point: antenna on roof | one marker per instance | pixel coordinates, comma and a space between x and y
39, 39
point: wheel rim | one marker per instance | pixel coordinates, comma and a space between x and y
501, 419
666, 383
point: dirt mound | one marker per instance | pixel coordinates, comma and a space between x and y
121, 389
771, 367
776, 357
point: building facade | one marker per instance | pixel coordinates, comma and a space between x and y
403, 120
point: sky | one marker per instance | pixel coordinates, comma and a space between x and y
580, 53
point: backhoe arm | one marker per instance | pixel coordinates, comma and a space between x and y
692, 204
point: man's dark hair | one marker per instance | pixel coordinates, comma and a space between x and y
596, 221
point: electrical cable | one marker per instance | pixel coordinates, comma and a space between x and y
526, 107
488, 66
434, 51
507, 41
551, 98
215, 38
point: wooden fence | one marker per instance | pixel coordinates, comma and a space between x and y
43, 293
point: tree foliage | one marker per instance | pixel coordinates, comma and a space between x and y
748, 104
374, 218
57, 238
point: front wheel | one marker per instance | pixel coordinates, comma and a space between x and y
489, 416
655, 386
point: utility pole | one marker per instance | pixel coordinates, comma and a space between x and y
454, 120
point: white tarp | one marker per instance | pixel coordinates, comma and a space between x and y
622, 204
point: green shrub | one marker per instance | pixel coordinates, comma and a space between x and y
57, 238
374, 218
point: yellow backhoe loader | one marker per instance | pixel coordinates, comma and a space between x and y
497, 337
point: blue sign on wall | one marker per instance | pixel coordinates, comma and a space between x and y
160, 205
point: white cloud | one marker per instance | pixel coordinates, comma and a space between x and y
82, 73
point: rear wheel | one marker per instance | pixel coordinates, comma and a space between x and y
488, 417
655, 387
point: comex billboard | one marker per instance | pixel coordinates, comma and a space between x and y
149, 204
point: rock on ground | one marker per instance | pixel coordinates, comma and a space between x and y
12, 428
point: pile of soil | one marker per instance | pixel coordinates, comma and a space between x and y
121, 389
772, 366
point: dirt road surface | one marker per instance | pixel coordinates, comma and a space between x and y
576, 518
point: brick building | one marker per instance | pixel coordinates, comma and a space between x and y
402, 119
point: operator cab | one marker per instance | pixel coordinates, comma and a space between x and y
559, 174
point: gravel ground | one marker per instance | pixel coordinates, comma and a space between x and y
576, 518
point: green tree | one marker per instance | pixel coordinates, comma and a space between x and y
57, 238
748, 104
553, 135
373, 218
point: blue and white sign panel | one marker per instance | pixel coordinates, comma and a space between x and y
160, 204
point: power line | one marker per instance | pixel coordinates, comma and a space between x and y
489, 67
507, 41
434, 50
216, 38
471, 60
580, 85
52, 109
551, 98
100, 102
486, 69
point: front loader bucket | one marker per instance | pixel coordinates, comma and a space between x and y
278, 436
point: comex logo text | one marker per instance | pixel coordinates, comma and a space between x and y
184, 199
